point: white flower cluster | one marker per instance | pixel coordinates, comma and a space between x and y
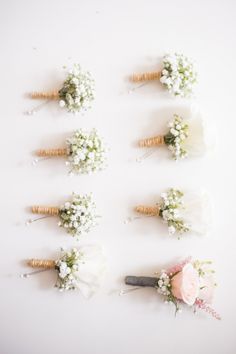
176, 136
79, 215
78, 90
178, 75
164, 284
170, 205
68, 266
86, 152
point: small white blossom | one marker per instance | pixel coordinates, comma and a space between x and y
170, 206
163, 284
67, 266
75, 221
176, 136
171, 230
178, 75
62, 103
78, 90
86, 152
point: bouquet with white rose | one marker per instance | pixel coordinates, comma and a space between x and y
78, 269
184, 138
182, 212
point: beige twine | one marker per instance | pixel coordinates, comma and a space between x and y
45, 210
41, 263
51, 152
155, 75
154, 141
53, 95
148, 210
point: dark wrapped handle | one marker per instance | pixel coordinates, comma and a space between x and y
141, 281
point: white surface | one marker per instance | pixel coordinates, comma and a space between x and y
112, 40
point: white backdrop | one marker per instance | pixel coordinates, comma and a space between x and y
113, 39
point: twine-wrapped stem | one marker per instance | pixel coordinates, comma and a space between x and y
41, 263
53, 211
52, 152
53, 95
148, 210
154, 141
141, 281
149, 76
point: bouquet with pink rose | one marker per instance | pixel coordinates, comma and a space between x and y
189, 282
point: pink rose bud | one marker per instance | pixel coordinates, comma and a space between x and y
185, 284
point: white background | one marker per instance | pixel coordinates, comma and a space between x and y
113, 40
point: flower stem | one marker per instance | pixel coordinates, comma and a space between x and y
141, 281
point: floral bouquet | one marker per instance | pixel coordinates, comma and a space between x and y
184, 138
85, 151
183, 213
76, 216
178, 75
77, 91
189, 282
81, 269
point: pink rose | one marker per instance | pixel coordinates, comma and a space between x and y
185, 284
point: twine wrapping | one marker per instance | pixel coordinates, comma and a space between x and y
150, 76
53, 95
148, 210
52, 152
154, 141
41, 263
45, 210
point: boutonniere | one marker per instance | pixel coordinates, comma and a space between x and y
181, 212
178, 75
85, 152
190, 282
77, 216
76, 93
184, 138
78, 269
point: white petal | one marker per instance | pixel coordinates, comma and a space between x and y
201, 138
197, 212
91, 272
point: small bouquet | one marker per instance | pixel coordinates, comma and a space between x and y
183, 213
77, 91
190, 282
184, 138
76, 216
85, 151
178, 75
81, 269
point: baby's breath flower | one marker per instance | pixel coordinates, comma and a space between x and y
163, 284
178, 75
170, 204
203, 268
176, 136
79, 215
78, 90
67, 266
86, 152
